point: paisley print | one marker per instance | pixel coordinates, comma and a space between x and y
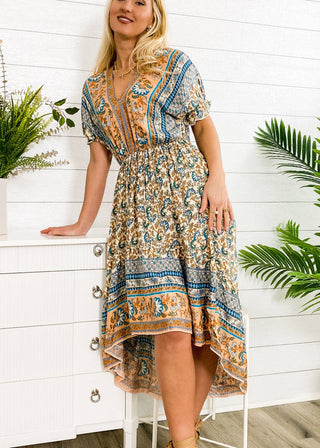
165, 270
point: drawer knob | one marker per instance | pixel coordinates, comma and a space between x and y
95, 343
96, 292
95, 396
97, 249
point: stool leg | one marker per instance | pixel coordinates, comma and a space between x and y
212, 408
245, 420
155, 423
131, 421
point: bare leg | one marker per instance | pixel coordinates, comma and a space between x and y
176, 375
206, 362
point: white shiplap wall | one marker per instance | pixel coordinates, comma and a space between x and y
258, 60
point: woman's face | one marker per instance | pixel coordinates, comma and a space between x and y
130, 18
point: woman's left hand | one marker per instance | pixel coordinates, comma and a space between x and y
215, 192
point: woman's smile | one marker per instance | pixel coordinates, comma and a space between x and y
124, 19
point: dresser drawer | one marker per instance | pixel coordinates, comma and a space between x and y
87, 350
37, 298
39, 407
97, 399
88, 289
35, 352
58, 257
44, 298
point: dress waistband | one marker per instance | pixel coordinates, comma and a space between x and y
138, 150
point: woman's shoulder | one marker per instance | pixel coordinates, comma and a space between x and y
175, 61
93, 83
176, 54
95, 78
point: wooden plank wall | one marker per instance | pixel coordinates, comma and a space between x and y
258, 60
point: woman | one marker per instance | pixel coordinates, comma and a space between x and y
172, 324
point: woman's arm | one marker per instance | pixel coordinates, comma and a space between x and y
215, 190
97, 172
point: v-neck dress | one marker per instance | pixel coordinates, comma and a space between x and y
165, 270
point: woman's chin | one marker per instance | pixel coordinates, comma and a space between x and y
122, 32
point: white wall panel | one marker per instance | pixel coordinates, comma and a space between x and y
258, 60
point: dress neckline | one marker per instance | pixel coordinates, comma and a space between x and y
110, 83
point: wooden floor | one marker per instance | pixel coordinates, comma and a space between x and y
294, 425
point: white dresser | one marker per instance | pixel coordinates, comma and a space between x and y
52, 382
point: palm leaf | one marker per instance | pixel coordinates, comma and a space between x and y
270, 263
298, 154
303, 286
286, 265
312, 303
289, 234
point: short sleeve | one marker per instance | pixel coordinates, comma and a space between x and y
192, 96
90, 128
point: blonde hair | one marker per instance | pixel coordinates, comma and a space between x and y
149, 43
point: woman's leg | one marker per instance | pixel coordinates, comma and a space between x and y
206, 362
176, 374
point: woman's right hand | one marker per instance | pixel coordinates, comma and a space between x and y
72, 229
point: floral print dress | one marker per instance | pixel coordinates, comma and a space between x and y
165, 270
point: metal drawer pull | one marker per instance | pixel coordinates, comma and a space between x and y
97, 249
96, 292
95, 393
95, 342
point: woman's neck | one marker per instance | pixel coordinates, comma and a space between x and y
124, 48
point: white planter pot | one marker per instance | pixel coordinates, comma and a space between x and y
3, 206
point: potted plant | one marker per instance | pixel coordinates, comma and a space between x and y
20, 126
296, 263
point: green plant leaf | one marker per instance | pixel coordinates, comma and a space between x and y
60, 102
294, 151
56, 114
72, 110
70, 123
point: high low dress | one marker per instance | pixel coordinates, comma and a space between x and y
165, 270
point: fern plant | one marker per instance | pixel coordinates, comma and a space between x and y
296, 263
20, 126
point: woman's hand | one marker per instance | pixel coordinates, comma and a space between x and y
215, 192
72, 229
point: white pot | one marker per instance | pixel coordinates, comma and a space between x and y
3, 206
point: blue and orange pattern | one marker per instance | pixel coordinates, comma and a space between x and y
165, 270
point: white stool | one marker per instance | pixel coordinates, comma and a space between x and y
212, 414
